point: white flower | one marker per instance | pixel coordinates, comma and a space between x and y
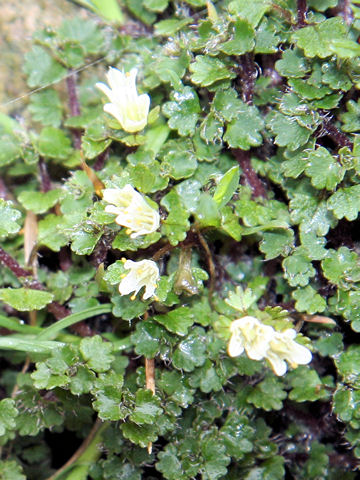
263, 342
142, 274
130, 109
132, 210
249, 334
283, 347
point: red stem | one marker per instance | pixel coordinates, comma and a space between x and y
59, 311
74, 106
249, 175
44, 176
301, 13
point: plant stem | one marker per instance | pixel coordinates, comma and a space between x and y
250, 176
87, 453
301, 13
59, 311
3, 190
247, 77
74, 106
334, 133
44, 176
101, 159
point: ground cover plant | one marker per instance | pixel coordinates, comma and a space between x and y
179, 245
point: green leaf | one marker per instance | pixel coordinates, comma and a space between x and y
315, 40
183, 111
52, 330
147, 408
13, 342
46, 108
244, 131
311, 213
49, 232
298, 269
307, 90
10, 149
278, 242
306, 385
287, 131
348, 365
156, 5
146, 338
207, 378
238, 435
8, 412
8, 219
292, 64
128, 309
11, 470
345, 202
176, 224
137, 8
108, 397
39, 202
266, 40
253, 11
109, 9
96, 353
241, 300
190, 352
84, 239
166, 28
242, 39
83, 32
351, 118
346, 401
54, 143
139, 434
268, 394
178, 160
41, 68
44, 378
345, 48
169, 464
207, 70
25, 299
323, 169
91, 148
207, 212
341, 266
214, 458
177, 321
82, 382
330, 344
307, 300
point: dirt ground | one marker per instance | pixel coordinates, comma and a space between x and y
18, 21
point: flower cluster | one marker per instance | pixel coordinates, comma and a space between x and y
132, 210
141, 274
130, 109
263, 342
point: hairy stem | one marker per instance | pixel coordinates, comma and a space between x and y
74, 106
334, 133
101, 160
301, 13
249, 175
3, 190
247, 77
44, 176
